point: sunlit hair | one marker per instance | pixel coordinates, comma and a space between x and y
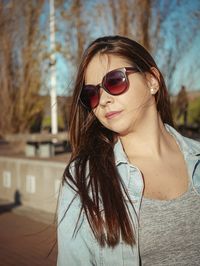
95, 176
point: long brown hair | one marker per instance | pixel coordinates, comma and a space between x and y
95, 176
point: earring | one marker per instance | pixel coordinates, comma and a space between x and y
152, 91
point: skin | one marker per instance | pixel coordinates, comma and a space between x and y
146, 142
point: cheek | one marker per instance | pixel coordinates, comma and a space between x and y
132, 99
137, 94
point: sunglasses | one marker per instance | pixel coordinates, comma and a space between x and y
114, 82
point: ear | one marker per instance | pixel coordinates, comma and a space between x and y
153, 79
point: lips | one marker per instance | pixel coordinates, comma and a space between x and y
112, 114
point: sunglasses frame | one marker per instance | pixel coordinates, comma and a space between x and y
124, 70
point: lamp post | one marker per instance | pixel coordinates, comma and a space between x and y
53, 96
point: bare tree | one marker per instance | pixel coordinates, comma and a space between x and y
121, 17
178, 49
74, 29
21, 58
143, 16
130, 18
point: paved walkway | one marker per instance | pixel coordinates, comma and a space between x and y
26, 242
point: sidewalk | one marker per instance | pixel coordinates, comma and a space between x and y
26, 242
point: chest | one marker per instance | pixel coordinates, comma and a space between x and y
164, 179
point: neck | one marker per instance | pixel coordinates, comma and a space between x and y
149, 138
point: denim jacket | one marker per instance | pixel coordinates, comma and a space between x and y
82, 249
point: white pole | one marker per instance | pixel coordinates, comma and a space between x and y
54, 118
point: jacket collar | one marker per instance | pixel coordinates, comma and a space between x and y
120, 156
187, 146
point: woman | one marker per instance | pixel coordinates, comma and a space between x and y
130, 193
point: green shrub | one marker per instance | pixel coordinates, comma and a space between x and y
194, 112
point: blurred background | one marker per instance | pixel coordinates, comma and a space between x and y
41, 42
33, 51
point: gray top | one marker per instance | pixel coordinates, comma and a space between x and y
169, 231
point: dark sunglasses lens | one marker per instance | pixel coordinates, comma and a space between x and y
89, 96
115, 82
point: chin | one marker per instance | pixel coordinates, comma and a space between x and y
120, 127
121, 131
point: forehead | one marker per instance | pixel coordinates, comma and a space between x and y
102, 64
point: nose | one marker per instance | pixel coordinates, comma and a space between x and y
105, 98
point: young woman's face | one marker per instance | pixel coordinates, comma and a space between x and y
121, 113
